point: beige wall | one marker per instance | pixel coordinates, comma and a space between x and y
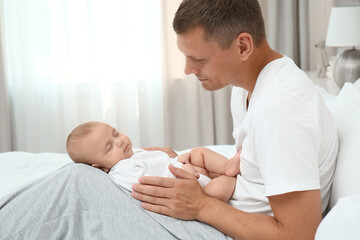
319, 13
318, 19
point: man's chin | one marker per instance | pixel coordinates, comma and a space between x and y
210, 87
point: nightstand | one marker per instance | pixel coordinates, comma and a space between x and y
327, 83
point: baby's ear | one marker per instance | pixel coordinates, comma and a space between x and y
100, 167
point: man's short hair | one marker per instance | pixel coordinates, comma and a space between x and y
222, 20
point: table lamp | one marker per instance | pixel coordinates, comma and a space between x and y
344, 31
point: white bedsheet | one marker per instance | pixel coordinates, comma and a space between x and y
20, 168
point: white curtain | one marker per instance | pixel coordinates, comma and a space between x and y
116, 61
198, 117
287, 28
67, 62
5, 127
193, 116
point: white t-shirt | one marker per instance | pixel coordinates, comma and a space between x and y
145, 163
287, 136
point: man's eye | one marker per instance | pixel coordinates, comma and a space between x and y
201, 61
116, 134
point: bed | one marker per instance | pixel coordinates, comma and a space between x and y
22, 171
19, 168
58, 202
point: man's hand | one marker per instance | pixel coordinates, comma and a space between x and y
169, 151
180, 197
296, 214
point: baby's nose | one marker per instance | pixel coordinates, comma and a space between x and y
119, 143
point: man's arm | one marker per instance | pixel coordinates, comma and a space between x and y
296, 215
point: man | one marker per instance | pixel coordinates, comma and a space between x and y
286, 133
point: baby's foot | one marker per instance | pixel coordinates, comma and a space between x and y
232, 167
184, 158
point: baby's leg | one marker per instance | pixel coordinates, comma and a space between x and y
221, 187
208, 159
232, 166
212, 162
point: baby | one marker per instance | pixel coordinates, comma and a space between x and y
102, 146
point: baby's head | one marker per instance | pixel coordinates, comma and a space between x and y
99, 145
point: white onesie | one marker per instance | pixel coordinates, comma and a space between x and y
146, 163
287, 135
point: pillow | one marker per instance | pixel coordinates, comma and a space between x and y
329, 98
357, 84
342, 222
346, 112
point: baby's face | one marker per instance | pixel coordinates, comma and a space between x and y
106, 146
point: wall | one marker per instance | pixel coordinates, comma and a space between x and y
319, 13
319, 18
338, 3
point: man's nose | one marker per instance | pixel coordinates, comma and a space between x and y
190, 68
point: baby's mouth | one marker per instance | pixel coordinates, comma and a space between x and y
126, 148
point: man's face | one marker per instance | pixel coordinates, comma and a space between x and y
107, 146
215, 68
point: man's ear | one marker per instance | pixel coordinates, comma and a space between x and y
98, 166
245, 45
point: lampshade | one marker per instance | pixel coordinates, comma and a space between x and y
344, 27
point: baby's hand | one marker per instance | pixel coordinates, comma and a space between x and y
184, 158
190, 169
